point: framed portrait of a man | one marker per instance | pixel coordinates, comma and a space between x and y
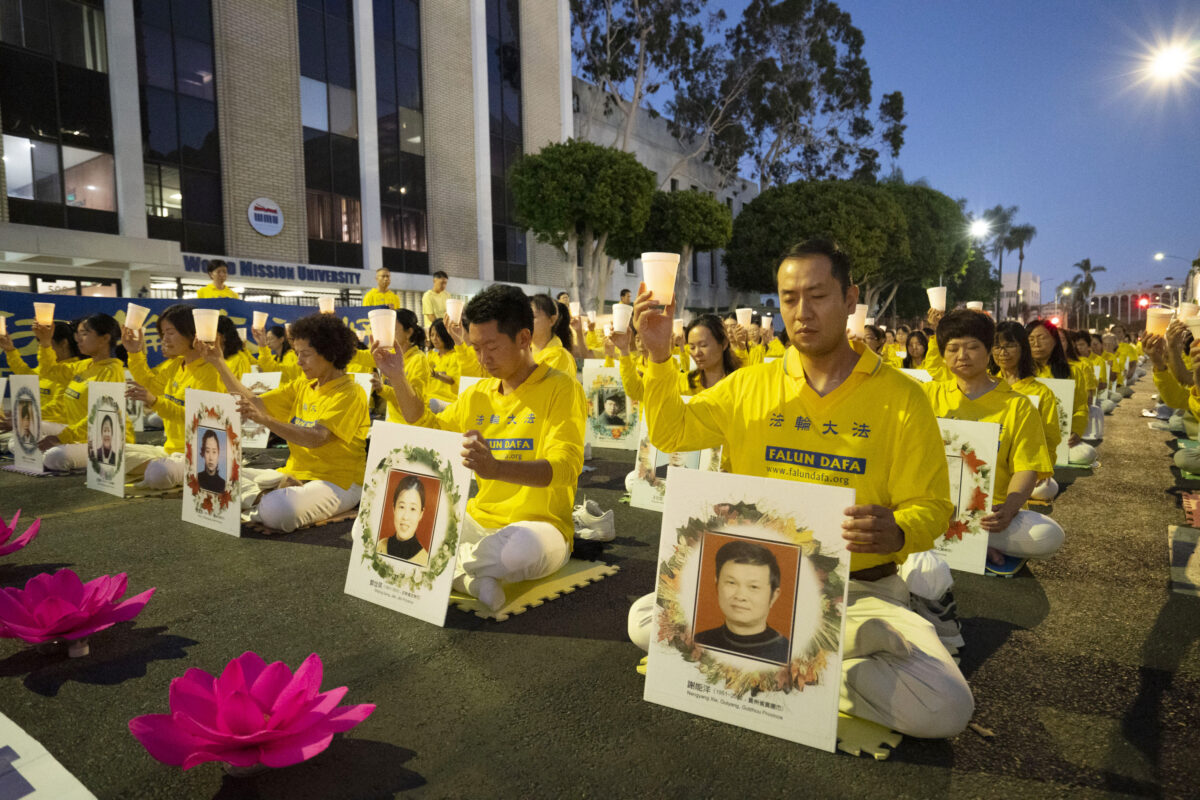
106, 432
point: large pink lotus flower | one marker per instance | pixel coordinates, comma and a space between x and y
7, 530
255, 713
61, 606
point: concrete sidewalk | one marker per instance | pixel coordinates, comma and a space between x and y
1084, 667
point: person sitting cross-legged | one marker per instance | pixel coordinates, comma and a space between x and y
830, 396
523, 438
324, 419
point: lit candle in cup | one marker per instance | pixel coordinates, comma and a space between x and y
621, 316
454, 309
937, 297
206, 323
574, 307
135, 316
43, 313
325, 304
858, 322
260, 320
975, 305
744, 316
383, 326
658, 273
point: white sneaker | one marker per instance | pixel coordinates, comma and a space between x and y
593, 524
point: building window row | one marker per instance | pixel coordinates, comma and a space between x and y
70, 32
510, 260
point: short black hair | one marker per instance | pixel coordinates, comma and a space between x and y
180, 317
503, 304
839, 260
103, 325
231, 340
963, 323
409, 482
441, 274
744, 552
209, 433
106, 420
329, 336
625, 292
216, 263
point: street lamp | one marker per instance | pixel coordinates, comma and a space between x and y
1065, 291
980, 228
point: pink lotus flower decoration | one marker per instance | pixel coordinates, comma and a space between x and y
61, 606
255, 713
7, 530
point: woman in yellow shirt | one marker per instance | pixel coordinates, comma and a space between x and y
874, 339
444, 371
275, 353
1050, 361
410, 338
916, 346
164, 390
551, 330
1012, 361
218, 272
323, 418
65, 444
233, 349
62, 341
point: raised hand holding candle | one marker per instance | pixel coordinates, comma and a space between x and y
43, 313
621, 316
260, 320
383, 326
744, 316
454, 309
658, 273
937, 297
135, 316
206, 323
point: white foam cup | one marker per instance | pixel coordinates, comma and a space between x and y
3, 326
768, 322
573, 307
975, 305
325, 304
621, 316
937, 297
260, 320
135, 316
383, 326
43, 313
206, 323
1157, 320
1188, 310
870, 320
677, 327
454, 309
592, 317
858, 322
744, 316
658, 273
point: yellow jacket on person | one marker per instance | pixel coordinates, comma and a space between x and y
775, 349
1047, 409
447, 364
876, 433
543, 419
631, 378
594, 341
378, 298
934, 364
361, 361
341, 407
240, 363
1170, 390
175, 378
74, 375
556, 356
211, 292
1079, 410
1022, 437
50, 391
289, 365
416, 369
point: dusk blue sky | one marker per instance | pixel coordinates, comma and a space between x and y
1038, 105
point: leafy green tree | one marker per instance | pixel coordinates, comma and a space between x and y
577, 194
683, 222
937, 239
866, 220
977, 281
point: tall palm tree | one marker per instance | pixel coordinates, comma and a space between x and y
1085, 283
1000, 222
1019, 237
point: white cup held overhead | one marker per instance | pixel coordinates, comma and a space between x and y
260, 320
206, 323
454, 309
1188, 310
383, 326
937, 297
975, 305
43, 313
621, 316
858, 322
744, 316
677, 327
658, 273
1157, 320
325, 304
135, 316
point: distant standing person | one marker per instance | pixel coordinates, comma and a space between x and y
218, 272
626, 297
433, 302
381, 295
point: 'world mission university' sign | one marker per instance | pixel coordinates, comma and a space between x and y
283, 273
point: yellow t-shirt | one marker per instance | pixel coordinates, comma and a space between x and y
754, 355
448, 364
378, 298
239, 363
416, 369
175, 378
632, 367
775, 349
876, 434
50, 391
934, 364
543, 419
74, 376
1047, 409
341, 407
1022, 438
1079, 410
361, 361
595, 342
211, 292
289, 365
433, 304
468, 362
556, 356
1170, 390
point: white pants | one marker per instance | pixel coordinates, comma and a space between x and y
295, 506
1029, 535
522, 551
919, 693
1045, 491
153, 422
65, 457
158, 468
1106, 405
1082, 453
1095, 428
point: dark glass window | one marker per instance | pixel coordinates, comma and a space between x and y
339, 54
78, 32
312, 44
83, 107
202, 196
194, 66
506, 145
156, 58
160, 132
345, 165
318, 170
198, 133
408, 24
192, 18
27, 94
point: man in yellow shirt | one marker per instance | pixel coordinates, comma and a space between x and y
523, 438
832, 412
381, 295
218, 272
433, 302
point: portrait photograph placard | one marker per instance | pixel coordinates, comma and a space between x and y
255, 434
405, 538
135, 410
106, 437
612, 415
213, 450
26, 422
919, 375
750, 594
363, 379
650, 483
1064, 392
971, 453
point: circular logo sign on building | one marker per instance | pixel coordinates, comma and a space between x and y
266, 216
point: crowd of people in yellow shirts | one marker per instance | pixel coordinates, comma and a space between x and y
806, 386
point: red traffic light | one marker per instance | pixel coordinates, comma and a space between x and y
1144, 302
